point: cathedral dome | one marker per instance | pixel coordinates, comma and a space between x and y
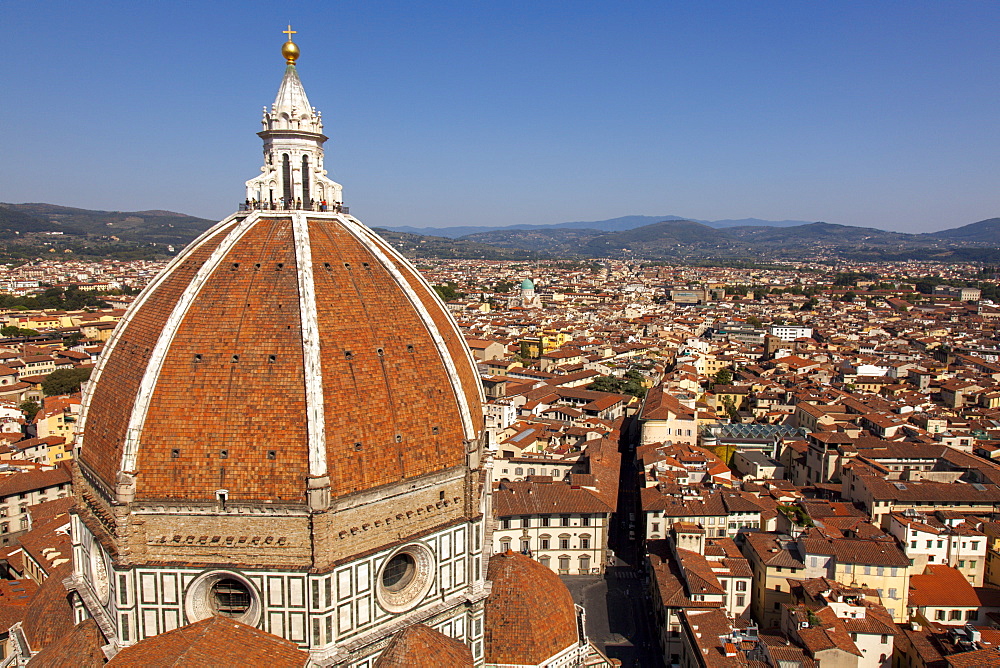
530, 614
286, 424
280, 347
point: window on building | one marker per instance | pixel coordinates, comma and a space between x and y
892, 592
525, 546
565, 520
930, 544
504, 545
961, 563
526, 522
564, 565
584, 565
564, 543
955, 614
543, 544
505, 523
972, 563
971, 615
545, 520
585, 520
584, 543
940, 543
741, 585
939, 615
740, 600
974, 545
519, 471
656, 527
885, 641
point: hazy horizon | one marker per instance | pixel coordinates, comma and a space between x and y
451, 114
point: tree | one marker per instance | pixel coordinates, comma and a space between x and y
723, 377
11, 330
73, 339
810, 305
630, 384
848, 296
64, 381
447, 292
730, 406
754, 321
30, 409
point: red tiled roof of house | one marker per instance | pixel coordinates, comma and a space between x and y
216, 642
941, 585
530, 614
419, 646
18, 483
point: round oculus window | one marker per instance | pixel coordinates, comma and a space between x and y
225, 594
405, 578
230, 598
399, 572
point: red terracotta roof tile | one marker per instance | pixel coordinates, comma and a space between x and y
530, 615
216, 642
419, 646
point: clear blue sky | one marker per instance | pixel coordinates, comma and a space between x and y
879, 114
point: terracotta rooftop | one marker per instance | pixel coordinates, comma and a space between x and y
941, 585
80, 648
530, 614
393, 392
419, 646
216, 642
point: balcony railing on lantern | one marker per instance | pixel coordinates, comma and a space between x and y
322, 205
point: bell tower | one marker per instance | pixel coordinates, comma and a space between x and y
293, 176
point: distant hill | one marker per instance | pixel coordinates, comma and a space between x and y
985, 231
680, 240
31, 230
142, 227
416, 245
620, 224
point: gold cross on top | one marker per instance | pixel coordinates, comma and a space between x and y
289, 32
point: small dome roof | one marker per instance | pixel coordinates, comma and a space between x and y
419, 646
526, 284
530, 615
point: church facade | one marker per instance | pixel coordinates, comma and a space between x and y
286, 430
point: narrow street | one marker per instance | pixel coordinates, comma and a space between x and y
619, 619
